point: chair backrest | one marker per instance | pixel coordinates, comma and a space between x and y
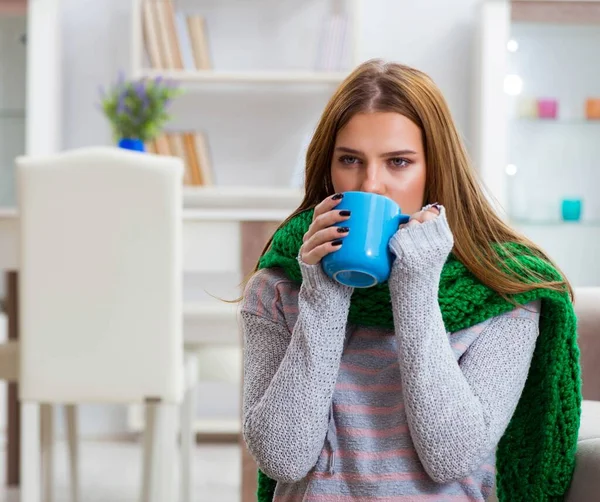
587, 309
100, 282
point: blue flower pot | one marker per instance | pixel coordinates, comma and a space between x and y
132, 144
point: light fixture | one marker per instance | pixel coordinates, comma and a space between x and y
513, 85
512, 45
511, 169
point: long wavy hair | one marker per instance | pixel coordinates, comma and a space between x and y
378, 86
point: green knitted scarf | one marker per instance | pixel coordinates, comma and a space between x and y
536, 455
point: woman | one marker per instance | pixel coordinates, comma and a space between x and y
461, 370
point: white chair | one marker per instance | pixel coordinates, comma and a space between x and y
100, 297
9, 371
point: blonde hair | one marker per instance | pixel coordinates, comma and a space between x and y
377, 86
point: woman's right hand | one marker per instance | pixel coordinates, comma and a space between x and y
322, 238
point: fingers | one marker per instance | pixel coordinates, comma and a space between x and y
428, 213
322, 236
327, 204
322, 243
316, 254
325, 215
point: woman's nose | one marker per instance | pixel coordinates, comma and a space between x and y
372, 181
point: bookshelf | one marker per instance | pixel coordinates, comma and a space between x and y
222, 59
186, 38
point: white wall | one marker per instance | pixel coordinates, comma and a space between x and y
96, 48
434, 36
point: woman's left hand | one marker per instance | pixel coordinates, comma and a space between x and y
423, 244
428, 213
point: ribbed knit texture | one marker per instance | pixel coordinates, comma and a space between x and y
536, 456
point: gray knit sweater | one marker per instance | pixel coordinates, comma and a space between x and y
336, 412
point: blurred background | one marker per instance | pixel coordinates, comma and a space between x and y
522, 79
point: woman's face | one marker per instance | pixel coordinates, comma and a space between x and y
381, 152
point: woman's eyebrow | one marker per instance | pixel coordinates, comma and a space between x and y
388, 154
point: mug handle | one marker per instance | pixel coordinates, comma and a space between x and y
404, 218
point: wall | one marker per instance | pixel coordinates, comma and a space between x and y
434, 36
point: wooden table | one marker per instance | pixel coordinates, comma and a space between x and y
239, 221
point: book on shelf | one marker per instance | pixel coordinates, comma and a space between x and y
151, 38
192, 148
333, 43
174, 40
199, 40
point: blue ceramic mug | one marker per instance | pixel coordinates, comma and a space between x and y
364, 259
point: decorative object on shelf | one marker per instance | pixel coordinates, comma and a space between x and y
137, 109
592, 108
571, 209
527, 108
547, 108
174, 40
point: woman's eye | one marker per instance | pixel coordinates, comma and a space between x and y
348, 159
399, 162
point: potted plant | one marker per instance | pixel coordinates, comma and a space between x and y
137, 109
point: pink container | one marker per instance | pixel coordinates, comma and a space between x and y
547, 108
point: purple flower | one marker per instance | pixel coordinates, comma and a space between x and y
140, 89
129, 112
142, 94
121, 104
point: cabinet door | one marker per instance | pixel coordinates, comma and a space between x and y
537, 119
554, 112
13, 62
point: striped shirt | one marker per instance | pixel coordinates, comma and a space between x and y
368, 453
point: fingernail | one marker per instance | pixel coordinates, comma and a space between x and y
344, 212
338, 196
435, 206
343, 230
337, 242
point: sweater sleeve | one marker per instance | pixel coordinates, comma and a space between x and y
290, 375
457, 411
